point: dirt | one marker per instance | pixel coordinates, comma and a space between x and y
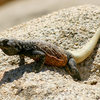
69, 29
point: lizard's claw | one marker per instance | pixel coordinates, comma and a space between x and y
75, 73
37, 67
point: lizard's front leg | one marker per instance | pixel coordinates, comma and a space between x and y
22, 60
41, 58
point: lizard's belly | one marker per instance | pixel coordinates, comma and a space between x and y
54, 61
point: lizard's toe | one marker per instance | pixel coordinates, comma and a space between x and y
75, 73
37, 67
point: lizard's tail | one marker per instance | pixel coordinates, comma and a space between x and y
81, 54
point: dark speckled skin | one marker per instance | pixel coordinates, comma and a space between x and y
41, 52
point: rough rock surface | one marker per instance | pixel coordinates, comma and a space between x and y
68, 28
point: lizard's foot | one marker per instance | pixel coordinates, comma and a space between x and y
38, 67
73, 71
21, 63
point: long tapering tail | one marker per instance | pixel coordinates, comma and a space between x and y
81, 54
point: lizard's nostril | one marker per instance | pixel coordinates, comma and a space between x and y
1, 44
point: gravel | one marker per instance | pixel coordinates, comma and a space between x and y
69, 28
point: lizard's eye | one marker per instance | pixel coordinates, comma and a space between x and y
5, 41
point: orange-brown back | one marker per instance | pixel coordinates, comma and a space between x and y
55, 56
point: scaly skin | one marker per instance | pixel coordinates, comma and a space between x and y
45, 53
53, 55
42, 53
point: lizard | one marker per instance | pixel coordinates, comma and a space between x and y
45, 53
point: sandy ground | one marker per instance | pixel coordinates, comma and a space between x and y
68, 28
18, 11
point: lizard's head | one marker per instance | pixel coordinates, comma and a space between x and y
9, 46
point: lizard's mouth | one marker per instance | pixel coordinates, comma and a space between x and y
1, 45
9, 51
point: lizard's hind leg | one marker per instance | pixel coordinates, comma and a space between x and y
73, 69
40, 60
71, 65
